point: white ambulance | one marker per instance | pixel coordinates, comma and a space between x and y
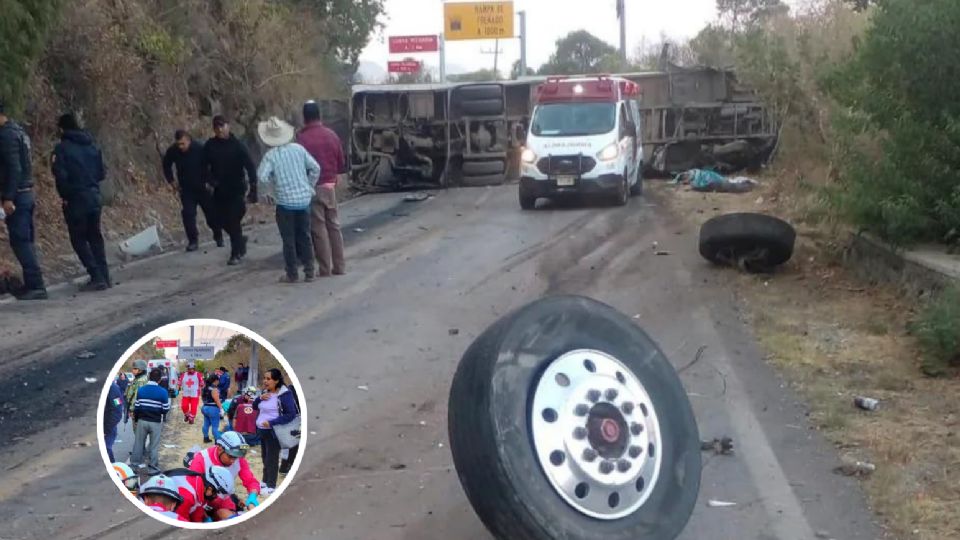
584, 139
171, 375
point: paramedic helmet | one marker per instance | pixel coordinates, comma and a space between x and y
161, 485
220, 479
233, 444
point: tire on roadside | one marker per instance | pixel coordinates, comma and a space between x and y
490, 424
764, 241
484, 168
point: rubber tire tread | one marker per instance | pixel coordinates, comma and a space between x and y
488, 424
482, 107
478, 92
484, 168
747, 231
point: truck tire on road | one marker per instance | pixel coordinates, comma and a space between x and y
755, 242
476, 92
484, 168
567, 421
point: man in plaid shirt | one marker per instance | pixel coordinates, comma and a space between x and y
290, 170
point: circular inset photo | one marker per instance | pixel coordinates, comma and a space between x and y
202, 424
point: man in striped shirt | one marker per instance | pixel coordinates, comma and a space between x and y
149, 412
291, 172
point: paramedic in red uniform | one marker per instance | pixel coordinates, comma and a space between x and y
230, 452
191, 381
206, 495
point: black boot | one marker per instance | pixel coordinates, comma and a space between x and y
192, 246
32, 294
218, 238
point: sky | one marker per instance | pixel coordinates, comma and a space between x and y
547, 20
202, 335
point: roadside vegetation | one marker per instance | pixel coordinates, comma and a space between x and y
937, 330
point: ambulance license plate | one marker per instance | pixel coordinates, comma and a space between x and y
566, 180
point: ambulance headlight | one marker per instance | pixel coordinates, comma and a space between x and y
528, 156
609, 153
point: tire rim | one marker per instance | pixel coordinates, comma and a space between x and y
596, 434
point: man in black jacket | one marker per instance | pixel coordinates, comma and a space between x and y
187, 156
78, 169
16, 194
225, 160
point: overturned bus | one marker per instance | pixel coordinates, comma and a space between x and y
472, 134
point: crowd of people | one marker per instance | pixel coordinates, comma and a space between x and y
203, 490
219, 176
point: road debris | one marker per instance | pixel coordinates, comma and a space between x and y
662, 253
143, 243
358, 229
90, 380
867, 404
81, 444
170, 446
712, 503
454, 331
398, 466
86, 355
417, 197
855, 468
723, 446
363, 387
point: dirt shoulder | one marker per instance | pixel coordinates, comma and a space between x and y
834, 339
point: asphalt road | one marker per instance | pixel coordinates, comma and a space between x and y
377, 463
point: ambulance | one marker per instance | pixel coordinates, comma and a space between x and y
171, 375
584, 139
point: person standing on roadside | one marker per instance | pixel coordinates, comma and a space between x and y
224, 382
191, 382
139, 370
225, 161
149, 412
79, 170
186, 155
18, 202
292, 173
112, 414
325, 147
211, 408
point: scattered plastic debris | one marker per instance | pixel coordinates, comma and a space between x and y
359, 229
81, 444
723, 446
90, 380
143, 243
856, 468
454, 331
712, 503
85, 355
363, 387
867, 404
417, 197
170, 446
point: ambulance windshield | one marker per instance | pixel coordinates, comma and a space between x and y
574, 119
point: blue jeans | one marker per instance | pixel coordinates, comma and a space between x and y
251, 438
211, 419
21, 231
108, 439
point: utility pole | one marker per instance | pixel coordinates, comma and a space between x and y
622, 15
443, 60
254, 368
496, 54
191, 336
523, 43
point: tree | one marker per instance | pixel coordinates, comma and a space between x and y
655, 55
24, 26
148, 351
348, 24
860, 5
578, 52
515, 71
481, 75
713, 47
741, 13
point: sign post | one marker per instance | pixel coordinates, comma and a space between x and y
477, 20
196, 353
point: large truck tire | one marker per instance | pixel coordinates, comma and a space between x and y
754, 242
567, 421
482, 107
476, 92
484, 168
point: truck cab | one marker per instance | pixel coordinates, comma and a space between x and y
584, 139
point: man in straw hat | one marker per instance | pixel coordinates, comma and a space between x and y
290, 170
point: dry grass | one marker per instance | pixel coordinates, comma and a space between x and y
834, 339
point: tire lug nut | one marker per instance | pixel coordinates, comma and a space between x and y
579, 433
623, 465
611, 394
606, 466
635, 452
593, 396
589, 454
636, 429
581, 410
627, 407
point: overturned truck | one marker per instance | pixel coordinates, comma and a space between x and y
443, 135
